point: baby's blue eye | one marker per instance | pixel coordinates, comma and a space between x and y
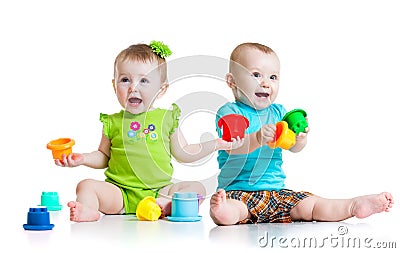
144, 81
273, 77
124, 80
256, 74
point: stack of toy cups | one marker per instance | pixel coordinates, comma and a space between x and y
291, 125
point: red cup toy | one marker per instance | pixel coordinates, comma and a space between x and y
233, 126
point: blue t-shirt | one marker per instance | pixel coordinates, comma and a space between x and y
260, 169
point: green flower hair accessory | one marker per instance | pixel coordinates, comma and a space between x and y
160, 49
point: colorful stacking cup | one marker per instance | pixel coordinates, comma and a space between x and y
296, 120
185, 204
148, 209
38, 219
284, 137
233, 126
61, 146
51, 201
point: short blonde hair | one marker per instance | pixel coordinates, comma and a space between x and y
240, 48
142, 53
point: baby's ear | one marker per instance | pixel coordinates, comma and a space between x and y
113, 83
163, 89
230, 80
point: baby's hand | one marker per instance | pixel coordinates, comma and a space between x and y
72, 160
302, 136
227, 145
266, 134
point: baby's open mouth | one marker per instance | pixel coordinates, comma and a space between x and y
262, 94
135, 100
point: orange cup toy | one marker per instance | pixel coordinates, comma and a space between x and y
233, 126
284, 137
61, 146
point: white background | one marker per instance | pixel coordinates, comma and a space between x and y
339, 62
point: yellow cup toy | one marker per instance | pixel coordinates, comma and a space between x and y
61, 146
148, 209
284, 137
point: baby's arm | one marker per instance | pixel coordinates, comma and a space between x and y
267, 134
256, 139
187, 153
97, 159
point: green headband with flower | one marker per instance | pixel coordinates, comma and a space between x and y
160, 49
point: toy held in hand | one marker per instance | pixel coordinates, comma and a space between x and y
61, 146
233, 126
296, 120
293, 123
284, 137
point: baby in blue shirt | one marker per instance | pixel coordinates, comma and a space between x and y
251, 180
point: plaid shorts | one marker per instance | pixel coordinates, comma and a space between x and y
269, 206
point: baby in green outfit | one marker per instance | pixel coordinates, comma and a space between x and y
137, 142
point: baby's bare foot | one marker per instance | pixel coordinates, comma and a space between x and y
219, 210
79, 213
365, 206
165, 205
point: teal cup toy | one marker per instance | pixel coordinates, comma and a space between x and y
296, 120
51, 201
185, 207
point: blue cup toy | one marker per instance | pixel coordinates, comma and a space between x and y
38, 219
185, 207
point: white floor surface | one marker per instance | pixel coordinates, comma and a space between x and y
125, 232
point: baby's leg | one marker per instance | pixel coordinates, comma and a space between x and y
93, 197
321, 209
227, 211
164, 199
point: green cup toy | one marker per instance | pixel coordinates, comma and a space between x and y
296, 120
